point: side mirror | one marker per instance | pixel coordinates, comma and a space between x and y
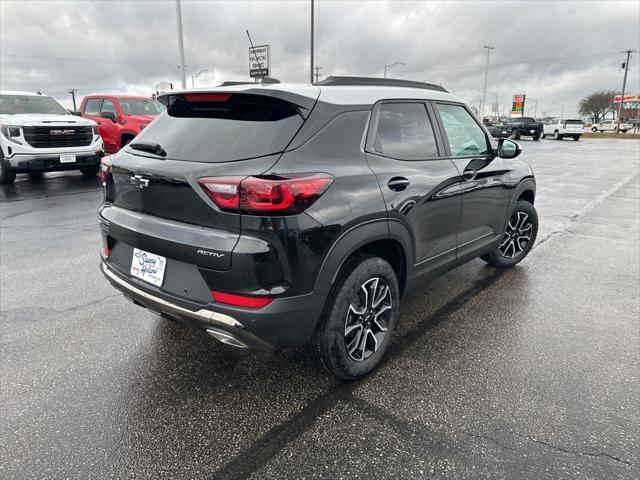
508, 148
76, 113
109, 115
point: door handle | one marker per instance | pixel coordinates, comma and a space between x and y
397, 184
469, 174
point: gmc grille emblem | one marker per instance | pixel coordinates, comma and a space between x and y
62, 132
139, 181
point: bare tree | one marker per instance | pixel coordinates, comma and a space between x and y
597, 105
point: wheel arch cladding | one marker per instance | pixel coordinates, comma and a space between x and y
371, 238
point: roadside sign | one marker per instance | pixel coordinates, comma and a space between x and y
259, 61
518, 105
627, 98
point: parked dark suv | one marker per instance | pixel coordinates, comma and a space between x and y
281, 215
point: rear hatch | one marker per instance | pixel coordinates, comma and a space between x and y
573, 125
531, 124
153, 201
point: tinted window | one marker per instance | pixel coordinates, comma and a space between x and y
137, 106
226, 128
108, 106
30, 104
463, 133
92, 107
573, 122
405, 132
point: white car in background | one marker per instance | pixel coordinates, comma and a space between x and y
610, 126
37, 134
564, 127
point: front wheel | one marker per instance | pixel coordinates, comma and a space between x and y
357, 323
594, 129
536, 136
557, 135
518, 238
623, 131
7, 175
89, 172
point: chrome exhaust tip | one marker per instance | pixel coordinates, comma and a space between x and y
227, 338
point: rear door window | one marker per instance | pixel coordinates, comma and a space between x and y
405, 132
464, 135
222, 127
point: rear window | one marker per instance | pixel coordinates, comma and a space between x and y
573, 122
220, 127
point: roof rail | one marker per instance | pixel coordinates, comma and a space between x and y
379, 82
231, 83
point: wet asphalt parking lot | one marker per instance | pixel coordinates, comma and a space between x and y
531, 372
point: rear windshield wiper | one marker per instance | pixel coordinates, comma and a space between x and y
149, 147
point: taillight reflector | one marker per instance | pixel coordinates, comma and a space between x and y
241, 300
105, 168
107, 251
291, 194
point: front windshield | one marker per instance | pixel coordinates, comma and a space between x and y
141, 107
30, 104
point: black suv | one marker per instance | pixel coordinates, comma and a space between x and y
280, 215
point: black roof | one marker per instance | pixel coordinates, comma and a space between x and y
379, 82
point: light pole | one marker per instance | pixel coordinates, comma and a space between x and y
390, 66
561, 105
497, 110
181, 44
624, 85
311, 70
486, 77
196, 75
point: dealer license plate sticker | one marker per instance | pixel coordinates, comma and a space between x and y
67, 158
148, 266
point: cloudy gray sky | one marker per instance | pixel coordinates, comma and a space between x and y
555, 52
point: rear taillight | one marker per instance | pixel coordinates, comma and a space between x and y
241, 300
291, 194
105, 168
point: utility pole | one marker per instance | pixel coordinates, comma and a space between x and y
312, 22
624, 86
486, 77
73, 91
317, 74
561, 105
182, 66
390, 66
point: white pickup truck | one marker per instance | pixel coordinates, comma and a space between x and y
37, 134
610, 126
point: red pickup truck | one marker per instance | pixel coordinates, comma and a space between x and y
119, 117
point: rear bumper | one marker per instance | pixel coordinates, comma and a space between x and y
286, 322
217, 324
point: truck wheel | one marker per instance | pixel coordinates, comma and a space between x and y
536, 136
7, 175
557, 135
357, 323
89, 172
515, 134
594, 129
576, 137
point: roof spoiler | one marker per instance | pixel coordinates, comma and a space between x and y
379, 82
